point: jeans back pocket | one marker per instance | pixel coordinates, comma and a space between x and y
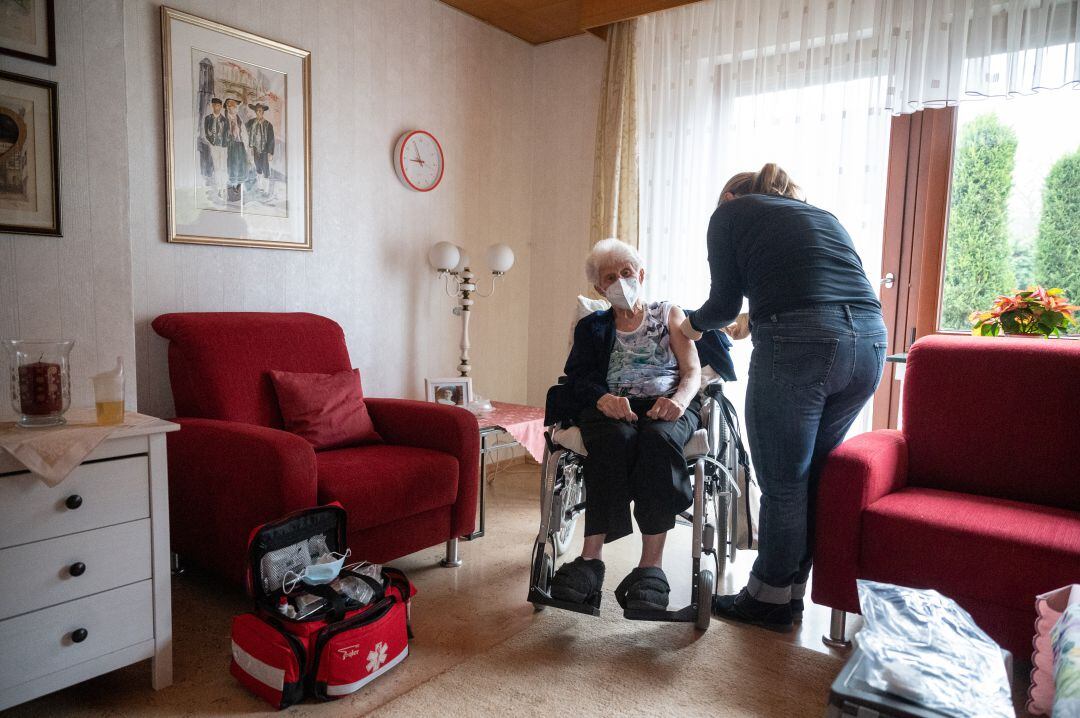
803, 362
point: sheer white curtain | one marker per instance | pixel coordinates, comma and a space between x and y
727, 85
946, 51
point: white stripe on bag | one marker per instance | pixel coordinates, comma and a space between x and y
262, 672
357, 685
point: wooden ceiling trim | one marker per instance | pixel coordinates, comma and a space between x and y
597, 13
539, 21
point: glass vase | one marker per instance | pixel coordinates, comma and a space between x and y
40, 381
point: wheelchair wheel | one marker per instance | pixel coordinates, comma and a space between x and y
571, 496
705, 587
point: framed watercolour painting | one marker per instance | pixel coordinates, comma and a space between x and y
237, 136
29, 156
456, 391
28, 30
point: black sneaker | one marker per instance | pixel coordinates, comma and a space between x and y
796, 610
744, 608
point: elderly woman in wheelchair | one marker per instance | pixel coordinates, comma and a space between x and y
632, 389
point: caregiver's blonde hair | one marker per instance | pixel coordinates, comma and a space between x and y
770, 179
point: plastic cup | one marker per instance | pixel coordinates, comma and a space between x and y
109, 395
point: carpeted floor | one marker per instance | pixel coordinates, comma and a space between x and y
618, 667
480, 650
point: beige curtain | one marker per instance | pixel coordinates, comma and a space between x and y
615, 165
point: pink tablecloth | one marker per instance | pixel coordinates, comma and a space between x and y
524, 423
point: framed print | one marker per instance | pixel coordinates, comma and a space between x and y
456, 391
237, 136
29, 156
28, 30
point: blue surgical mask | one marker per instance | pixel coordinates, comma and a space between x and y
316, 574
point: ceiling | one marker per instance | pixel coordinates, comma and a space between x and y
534, 21
538, 21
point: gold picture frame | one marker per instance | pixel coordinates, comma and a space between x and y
237, 136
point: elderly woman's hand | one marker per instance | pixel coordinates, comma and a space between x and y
665, 410
616, 407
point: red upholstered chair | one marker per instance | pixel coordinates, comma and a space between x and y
232, 467
978, 497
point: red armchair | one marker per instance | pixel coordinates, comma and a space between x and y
978, 497
232, 467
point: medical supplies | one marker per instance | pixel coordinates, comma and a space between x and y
319, 627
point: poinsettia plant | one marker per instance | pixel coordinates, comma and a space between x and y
1035, 310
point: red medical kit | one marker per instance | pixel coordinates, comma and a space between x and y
325, 640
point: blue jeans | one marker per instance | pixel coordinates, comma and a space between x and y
811, 373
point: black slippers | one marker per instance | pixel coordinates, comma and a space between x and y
644, 588
579, 581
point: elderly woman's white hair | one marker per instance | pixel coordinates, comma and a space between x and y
609, 252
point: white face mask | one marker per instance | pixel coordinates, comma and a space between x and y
624, 293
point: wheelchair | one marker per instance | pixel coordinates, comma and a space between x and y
715, 458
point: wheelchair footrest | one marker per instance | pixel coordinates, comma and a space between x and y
687, 614
538, 596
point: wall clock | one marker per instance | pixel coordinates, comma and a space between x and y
418, 159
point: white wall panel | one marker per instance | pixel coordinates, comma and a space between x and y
79, 286
567, 76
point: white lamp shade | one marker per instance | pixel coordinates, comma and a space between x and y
500, 258
463, 261
443, 256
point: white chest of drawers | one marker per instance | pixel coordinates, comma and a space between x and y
84, 567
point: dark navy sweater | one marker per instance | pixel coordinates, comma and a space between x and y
781, 254
585, 379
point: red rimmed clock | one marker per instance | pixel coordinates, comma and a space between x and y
418, 159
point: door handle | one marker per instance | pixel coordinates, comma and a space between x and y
888, 280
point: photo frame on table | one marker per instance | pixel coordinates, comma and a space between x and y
237, 136
29, 156
28, 30
454, 391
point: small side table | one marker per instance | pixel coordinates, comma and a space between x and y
524, 424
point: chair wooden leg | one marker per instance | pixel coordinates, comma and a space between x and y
452, 560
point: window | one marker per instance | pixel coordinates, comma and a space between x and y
1014, 207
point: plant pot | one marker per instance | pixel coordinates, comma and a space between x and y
1025, 336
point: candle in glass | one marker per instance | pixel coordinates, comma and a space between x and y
40, 389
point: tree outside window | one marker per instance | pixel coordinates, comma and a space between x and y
1014, 212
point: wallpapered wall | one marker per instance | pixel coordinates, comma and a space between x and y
78, 286
378, 68
516, 123
566, 95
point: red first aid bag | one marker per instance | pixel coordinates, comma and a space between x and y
338, 643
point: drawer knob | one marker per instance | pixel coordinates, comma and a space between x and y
77, 569
79, 635
73, 502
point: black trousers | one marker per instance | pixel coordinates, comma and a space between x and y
641, 462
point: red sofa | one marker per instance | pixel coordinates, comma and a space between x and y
232, 467
978, 497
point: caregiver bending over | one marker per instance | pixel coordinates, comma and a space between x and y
819, 349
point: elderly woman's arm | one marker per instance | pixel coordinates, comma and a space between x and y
670, 409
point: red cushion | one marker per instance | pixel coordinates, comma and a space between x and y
219, 362
970, 547
326, 409
994, 416
381, 483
